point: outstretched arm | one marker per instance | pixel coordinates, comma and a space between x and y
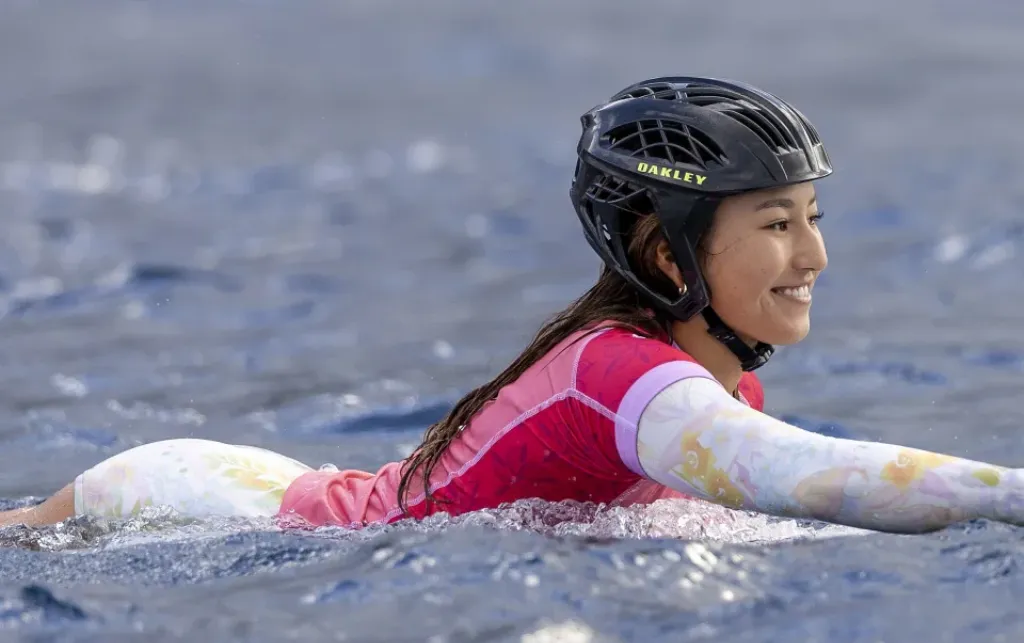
695, 438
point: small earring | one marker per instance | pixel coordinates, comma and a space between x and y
682, 290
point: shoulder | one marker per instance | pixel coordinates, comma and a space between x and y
626, 350
614, 360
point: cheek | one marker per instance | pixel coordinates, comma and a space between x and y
741, 278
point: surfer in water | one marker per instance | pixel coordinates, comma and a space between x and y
698, 194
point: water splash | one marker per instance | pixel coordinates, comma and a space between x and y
152, 524
692, 520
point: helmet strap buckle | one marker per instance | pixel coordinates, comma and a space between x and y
750, 358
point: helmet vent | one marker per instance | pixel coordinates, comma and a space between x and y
811, 132
768, 126
668, 141
620, 194
755, 121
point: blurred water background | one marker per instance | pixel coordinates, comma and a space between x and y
311, 225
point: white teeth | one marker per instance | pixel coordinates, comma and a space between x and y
803, 293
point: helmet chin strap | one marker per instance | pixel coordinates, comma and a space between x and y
701, 212
750, 358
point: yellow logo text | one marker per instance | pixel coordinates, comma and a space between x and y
670, 173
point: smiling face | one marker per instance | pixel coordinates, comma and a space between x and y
763, 254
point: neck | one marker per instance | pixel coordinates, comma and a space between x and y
692, 336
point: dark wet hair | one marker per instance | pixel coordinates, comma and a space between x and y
611, 299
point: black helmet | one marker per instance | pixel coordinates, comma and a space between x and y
675, 147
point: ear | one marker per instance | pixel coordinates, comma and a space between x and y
667, 264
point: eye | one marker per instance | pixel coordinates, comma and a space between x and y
783, 224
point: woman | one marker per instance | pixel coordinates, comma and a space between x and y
698, 195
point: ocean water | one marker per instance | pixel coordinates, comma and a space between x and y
310, 226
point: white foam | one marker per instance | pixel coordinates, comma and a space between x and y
425, 156
678, 519
687, 520
690, 520
566, 632
951, 249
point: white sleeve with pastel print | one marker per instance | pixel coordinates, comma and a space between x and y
696, 438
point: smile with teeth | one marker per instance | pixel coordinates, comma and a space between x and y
801, 294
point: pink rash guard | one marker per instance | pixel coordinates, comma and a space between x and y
565, 430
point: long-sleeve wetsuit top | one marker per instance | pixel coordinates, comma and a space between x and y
613, 416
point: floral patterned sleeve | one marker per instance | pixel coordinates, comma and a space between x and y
695, 438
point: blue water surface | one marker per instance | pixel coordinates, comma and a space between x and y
311, 226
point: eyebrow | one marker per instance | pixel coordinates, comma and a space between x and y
782, 203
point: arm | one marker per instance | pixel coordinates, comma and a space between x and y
695, 438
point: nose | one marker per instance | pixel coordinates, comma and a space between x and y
809, 251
